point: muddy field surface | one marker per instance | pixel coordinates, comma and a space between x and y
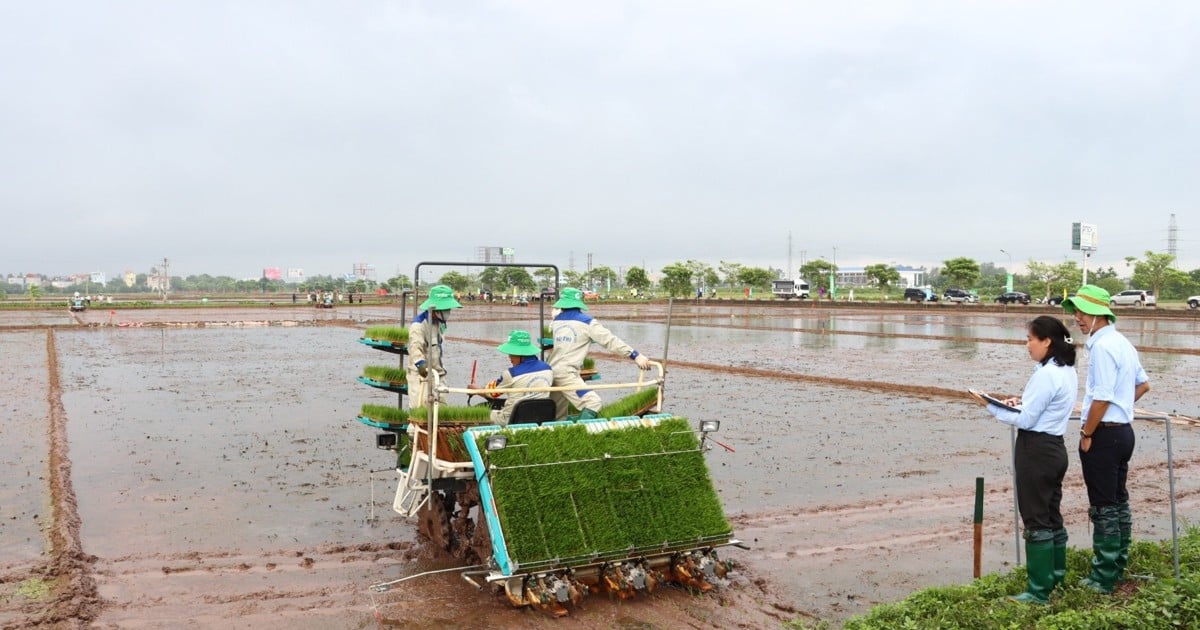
218, 477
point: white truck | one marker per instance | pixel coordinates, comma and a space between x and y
788, 289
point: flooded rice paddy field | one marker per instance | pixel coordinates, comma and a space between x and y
216, 477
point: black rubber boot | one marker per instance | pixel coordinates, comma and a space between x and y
1106, 548
1060, 556
1039, 566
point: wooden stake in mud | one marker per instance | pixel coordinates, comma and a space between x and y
978, 524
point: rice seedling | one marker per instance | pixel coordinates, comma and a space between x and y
386, 374
394, 334
388, 415
589, 364
453, 414
630, 405
585, 503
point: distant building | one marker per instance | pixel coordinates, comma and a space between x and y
857, 277
487, 254
129, 278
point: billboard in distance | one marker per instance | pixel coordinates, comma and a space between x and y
1084, 237
295, 274
272, 273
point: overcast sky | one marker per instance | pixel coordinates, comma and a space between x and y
233, 136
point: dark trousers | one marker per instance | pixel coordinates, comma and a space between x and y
1041, 463
1106, 464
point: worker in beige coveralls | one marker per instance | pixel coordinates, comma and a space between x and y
574, 331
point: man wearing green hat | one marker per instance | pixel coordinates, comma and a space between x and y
527, 370
425, 342
1115, 380
574, 332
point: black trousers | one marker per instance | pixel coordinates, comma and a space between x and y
1106, 464
1041, 463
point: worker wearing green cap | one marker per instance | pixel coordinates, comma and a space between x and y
1115, 380
425, 341
574, 332
527, 370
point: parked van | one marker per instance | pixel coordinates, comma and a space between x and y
788, 289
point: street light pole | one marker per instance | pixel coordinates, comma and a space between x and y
1008, 287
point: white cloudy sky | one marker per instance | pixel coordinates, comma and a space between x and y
230, 136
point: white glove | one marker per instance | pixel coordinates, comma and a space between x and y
642, 362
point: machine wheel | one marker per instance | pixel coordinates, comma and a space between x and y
433, 522
481, 540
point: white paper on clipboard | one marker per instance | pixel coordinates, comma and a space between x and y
993, 400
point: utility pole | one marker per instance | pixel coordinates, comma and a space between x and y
789, 267
164, 279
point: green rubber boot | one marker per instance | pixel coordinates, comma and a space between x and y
1106, 549
1039, 567
1125, 524
1060, 556
588, 414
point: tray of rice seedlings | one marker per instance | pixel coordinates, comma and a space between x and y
393, 379
387, 338
452, 422
383, 417
634, 404
597, 499
547, 338
588, 372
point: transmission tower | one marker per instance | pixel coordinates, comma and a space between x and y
1172, 236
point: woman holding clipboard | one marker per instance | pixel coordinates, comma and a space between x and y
1040, 455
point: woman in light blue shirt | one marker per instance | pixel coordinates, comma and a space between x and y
1040, 455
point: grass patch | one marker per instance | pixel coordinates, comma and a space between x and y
386, 374
1160, 603
589, 363
394, 334
33, 589
587, 503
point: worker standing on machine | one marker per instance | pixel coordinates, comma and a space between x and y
527, 371
574, 332
425, 342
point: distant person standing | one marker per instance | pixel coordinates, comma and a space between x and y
1115, 380
425, 342
1040, 455
574, 332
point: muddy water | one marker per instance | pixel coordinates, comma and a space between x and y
220, 474
24, 441
188, 440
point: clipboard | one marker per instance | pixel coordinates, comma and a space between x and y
992, 400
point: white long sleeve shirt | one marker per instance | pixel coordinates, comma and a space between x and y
1046, 403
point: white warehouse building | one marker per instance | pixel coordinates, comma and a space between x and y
857, 277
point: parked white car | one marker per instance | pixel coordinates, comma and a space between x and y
1134, 297
1194, 301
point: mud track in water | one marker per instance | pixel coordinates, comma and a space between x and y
201, 468
72, 599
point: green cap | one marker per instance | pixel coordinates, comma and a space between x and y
441, 298
571, 298
1091, 300
519, 344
